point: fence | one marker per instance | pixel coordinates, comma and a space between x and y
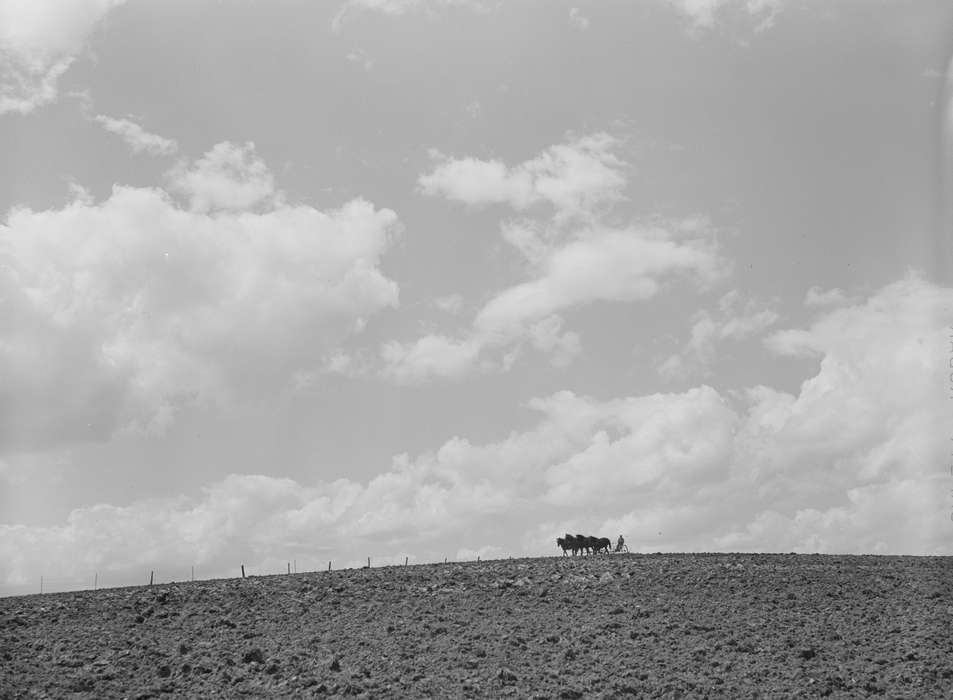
96, 580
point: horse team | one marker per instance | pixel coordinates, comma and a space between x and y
583, 543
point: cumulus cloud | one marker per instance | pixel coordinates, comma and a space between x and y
120, 310
850, 463
607, 266
572, 259
39, 40
228, 177
732, 321
826, 297
430, 356
575, 178
577, 19
704, 14
137, 138
396, 8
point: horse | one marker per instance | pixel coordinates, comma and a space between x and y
583, 543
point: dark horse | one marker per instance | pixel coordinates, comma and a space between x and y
582, 543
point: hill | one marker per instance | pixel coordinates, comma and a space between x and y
676, 625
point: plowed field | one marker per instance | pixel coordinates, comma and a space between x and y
676, 625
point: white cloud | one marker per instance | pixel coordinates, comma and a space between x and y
396, 8
452, 303
731, 322
576, 178
663, 443
577, 19
852, 463
39, 39
428, 357
606, 265
228, 177
573, 260
120, 310
831, 297
360, 57
137, 138
704, 13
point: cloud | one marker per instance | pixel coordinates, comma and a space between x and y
572, 259
607, 266
831, 297
228, 177
360, 57
577, 19
121, 310
396, 8
137, 138
709, 330
451, 304
575, 178
428, 357
38, 42
704, 13
850, 463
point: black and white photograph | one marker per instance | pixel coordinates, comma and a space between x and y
476, 348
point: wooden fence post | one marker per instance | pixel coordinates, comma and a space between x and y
329, 567
243, 571
96, 581
368, 562
405, 560
289, 568
151, 577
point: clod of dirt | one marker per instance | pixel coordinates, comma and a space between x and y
507, 676
335, 665
255, 655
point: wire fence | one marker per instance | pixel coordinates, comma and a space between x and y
97, 580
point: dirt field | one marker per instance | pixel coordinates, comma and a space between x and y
732, 626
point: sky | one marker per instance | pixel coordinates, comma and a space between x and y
322, 281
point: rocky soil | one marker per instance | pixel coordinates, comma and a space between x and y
734, 626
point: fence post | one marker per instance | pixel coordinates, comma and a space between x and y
193, 572
296, 565
243, 571
151, 577
405, 560
289, 568
368, 562
329, 567
96, 581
